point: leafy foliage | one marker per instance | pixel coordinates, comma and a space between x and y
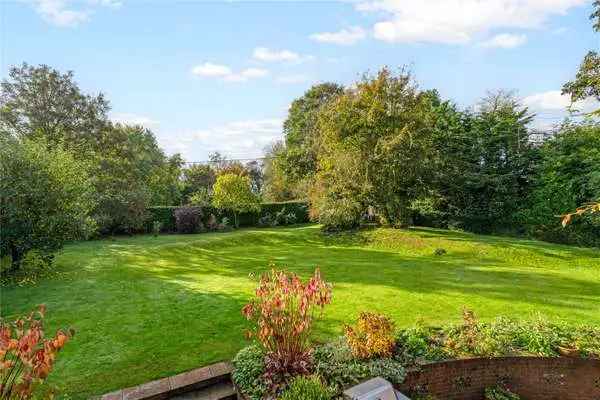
569, 176
46, 198
27, 357
500, 392
501, 337
188, 219
248, 371
373, 336
282, 315
233, 192
306, 388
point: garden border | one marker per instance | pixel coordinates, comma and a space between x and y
533, 378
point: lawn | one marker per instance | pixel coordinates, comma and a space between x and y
146, 307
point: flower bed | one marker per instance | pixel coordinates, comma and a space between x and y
283, 362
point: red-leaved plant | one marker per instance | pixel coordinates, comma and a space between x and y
26, 358
283, 313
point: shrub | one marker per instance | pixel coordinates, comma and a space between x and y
156, 225
249, 368
388, 368
339, 214
164, 215
31, 267
46, 197
501, 337
27, 358
373, 336
306, 388
266, 220
439, 251
500, 392
188, 219
282, 314
334, 362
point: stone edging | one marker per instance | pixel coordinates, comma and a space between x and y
173, 385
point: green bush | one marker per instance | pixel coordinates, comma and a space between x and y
164, 215
306, 388
339, 214
290, 212
499, 392
248, 372
47, 198
501, 337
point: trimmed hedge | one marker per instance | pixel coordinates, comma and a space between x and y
166, 214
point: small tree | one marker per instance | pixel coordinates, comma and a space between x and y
233, 192
45, 199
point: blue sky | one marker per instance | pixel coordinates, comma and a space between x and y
207, 76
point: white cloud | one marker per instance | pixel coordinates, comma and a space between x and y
343, 37
134, 119
458, 21
268, 55
210, 70
505, 41
56, 12
292, 79
553, 100
238, 139
60, 12
551, 107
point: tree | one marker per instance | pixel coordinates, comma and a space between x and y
41, 101
587, 80
299, 161
128, 175
276, 185
197, 177
488, 164
45, 198
568, 179
233, 192
380, 129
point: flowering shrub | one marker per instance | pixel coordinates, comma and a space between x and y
373, 336
283, 312
26, 358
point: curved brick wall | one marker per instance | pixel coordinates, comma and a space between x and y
533, 378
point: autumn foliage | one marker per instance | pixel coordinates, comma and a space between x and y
283, 314
586, 209
373, 336
26, 357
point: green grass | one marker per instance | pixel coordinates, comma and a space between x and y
146, 307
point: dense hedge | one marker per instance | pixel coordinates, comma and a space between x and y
166, 215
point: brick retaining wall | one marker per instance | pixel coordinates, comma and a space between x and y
534, 378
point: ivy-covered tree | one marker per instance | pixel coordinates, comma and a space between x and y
45, 198
234, 193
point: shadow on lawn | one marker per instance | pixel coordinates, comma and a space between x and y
540, 248
463, 273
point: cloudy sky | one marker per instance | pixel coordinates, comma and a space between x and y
208, 76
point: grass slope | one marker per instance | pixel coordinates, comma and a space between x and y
147, 307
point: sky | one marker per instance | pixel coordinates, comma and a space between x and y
211, 76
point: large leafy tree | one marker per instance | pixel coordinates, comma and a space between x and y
41, 101
45, 198
381, 129
488, 164
569, 177
197, 178
234, 192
